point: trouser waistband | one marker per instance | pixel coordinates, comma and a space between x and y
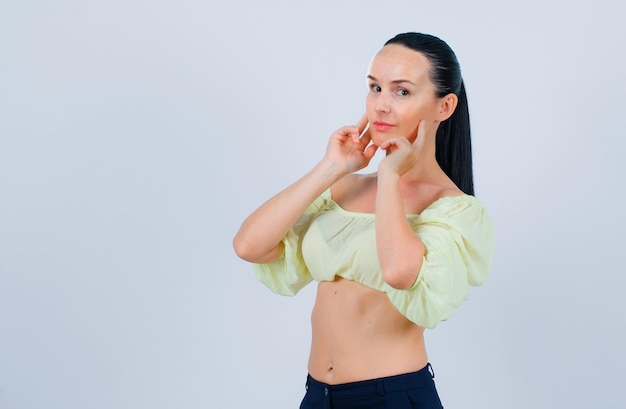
395, 383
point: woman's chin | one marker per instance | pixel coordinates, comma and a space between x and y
379, 137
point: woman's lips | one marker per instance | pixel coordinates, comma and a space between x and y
381, 126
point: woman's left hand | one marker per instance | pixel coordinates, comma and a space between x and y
403, 155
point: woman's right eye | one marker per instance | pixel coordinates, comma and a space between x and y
375, 88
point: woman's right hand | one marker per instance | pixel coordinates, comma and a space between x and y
347, 152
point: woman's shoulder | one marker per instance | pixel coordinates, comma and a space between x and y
458, 211
449, 205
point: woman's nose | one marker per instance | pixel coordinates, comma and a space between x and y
382, 103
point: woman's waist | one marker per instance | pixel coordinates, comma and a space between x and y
335, 365
374, 386
358, 334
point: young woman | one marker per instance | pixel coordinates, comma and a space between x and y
394, 252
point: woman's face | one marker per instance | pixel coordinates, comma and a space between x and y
400, 93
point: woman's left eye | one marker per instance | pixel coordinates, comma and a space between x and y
402, 92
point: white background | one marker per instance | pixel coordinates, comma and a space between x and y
136, 135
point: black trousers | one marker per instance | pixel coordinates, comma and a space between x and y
408, 391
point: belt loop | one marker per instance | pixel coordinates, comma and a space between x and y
431, 370
381, 387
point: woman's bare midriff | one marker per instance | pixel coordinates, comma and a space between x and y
358, 335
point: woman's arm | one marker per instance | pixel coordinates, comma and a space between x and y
259, 239
400, 252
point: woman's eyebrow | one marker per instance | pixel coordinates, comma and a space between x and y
371, 77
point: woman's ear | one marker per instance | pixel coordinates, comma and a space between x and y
447, 105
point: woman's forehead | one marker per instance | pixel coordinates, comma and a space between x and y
394, 62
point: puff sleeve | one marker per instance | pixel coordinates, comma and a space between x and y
458, 236
289, 274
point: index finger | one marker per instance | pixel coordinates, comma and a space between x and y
362, 124
421, 132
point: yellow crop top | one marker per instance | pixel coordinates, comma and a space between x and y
328, 241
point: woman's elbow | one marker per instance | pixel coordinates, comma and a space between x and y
402, 276
242, 248
251, 251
